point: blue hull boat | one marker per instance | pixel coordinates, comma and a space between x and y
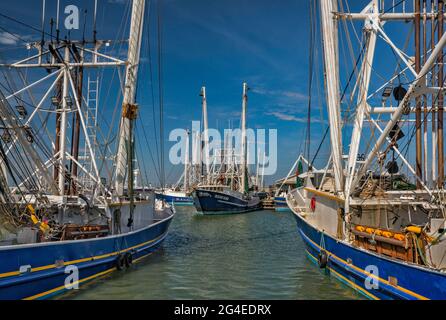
280, 204
175, 198
40, 270
209, 201
350, 265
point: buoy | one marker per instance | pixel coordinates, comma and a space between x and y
322, 259
399, 236
128, 259
313, 204
387, 234
414, 229
120, 262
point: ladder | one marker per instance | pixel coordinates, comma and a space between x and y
90, 116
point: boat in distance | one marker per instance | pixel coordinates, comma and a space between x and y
222, 200
178, 198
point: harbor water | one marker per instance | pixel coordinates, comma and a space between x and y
257, 255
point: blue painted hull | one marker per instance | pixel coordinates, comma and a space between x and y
185, 201
214, 202
347, 264
93, 258
280, 204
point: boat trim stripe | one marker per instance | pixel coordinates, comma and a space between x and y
52, 266
46, 293
100, 274
416, 295
345, 280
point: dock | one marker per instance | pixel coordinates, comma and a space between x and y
268, 204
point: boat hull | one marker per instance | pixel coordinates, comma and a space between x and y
177, 200
351, 266
50, 264
280, 204
209, 202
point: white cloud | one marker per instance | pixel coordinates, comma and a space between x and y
289, 117
286, 116
295, 96
8, 39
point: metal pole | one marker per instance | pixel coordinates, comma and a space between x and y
76, 134
434, 101
129, 107
425, 111
243, 144
419, 167
63, 126
440, 100
205, 149
186, 164
330, 44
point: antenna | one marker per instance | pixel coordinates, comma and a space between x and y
94, 20
43, 22
57, 21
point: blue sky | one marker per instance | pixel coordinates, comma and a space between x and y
218, 44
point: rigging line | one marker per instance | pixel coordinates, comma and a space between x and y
8, 79
150, 150
342, 97
8, 166
161, 98
395, 75
14, 35
405, 149
149, 52
310, 79
392, 7
352, 24
40, 31
143, 168
349, 40
414, 129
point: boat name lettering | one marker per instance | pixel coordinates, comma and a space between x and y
217, 196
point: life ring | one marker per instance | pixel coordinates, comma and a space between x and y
322, 259
313, 204
128, 259
120, 262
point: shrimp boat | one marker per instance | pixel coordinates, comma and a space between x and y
225, 189
179, 196
366, 221
61, 223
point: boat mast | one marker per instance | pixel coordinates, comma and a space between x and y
418, 151
63, 125
205, 149
243, 144
364, 82
330, 44
186, 164
440, 80
129, 107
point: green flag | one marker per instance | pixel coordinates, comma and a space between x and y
299, 181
